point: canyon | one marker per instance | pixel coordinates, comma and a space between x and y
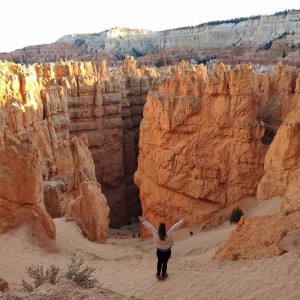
102, 147
260, 40
61, 131
187, 123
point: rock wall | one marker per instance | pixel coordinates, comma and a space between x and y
85, 122
41, 166
137, 84
90, 211
260, 40
282, 162
107, 107
204, 137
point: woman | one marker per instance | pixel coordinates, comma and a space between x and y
163, 241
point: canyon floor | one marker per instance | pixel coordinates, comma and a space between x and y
126, 265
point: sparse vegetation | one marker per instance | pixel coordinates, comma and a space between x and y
285, 12
39, 276
236, 215
79, 42
80, 274
235, 256
267, 45
283, 54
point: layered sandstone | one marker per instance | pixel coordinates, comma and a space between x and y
90, 212
260, 40
204, 137
107, 107
84, 121
37, 151
21, 190
282, 164
200, 143
260, 237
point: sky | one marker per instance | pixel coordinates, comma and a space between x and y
33, 22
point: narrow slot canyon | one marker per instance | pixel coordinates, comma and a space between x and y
110, 116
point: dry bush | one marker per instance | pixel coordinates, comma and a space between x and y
39, 276
80, 274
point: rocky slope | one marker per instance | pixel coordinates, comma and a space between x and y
260, 40
204, 137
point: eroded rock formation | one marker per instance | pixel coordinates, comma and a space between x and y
21, 189
204, 137
84, 123
203, 141
90, 211
282, 164
260, 237
36, 146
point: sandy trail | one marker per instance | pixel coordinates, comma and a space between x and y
127, 266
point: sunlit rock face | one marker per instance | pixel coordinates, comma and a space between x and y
41, 166
204, 137
262, 40
84, 123
282, 162
21, 189
90, 212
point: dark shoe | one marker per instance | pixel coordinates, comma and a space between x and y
164, 277
158, 277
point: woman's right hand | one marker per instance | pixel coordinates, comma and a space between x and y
141, 218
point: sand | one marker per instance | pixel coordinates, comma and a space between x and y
127, 265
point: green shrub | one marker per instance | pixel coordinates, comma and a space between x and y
236, 215
75, 271
235, 256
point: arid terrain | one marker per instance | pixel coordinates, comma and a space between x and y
126, 266
88, 145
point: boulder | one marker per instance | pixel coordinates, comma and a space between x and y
90, 212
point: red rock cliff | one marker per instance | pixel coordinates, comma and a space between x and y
204, 137
53, 105
282, 162
37, 150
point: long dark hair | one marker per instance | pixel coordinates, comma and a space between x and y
162, 231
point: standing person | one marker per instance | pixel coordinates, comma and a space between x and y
163, 241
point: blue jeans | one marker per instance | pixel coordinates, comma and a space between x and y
162, 261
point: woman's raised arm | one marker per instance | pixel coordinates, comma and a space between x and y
176, 226
148, 225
